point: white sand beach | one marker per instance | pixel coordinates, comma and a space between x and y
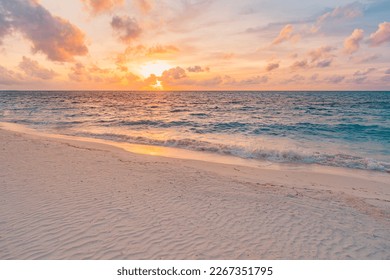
69, 199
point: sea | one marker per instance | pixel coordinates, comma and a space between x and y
348, 129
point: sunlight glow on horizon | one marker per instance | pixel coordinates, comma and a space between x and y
154, 68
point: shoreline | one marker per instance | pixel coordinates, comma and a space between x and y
69, 199
186, 154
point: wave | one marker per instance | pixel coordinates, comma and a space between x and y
263, 153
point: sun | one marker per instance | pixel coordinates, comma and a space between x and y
155, 67
157, 85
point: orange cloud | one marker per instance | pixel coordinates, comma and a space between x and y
381, 35
93, 75
57, 38
160, 50
101, 6
351, 44
286, 34
144, 6
126, 27
33, 69
157, 51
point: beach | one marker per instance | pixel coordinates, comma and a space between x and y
63, 198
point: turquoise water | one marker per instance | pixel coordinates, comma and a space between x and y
348, 129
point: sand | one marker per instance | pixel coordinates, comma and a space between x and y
69, 199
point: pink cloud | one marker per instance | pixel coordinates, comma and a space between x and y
320, 53
176, 73
197, 69
335, 79
101, 6
57, 38
127, 28
299, 64
348, 11
272, 66
33, 69
254, 80
381, 35
9, 77
365, 72
352, 43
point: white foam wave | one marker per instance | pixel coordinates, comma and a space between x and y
278, 155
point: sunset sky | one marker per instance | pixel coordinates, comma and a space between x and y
195, 44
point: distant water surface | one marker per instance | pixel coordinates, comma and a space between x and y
348, 129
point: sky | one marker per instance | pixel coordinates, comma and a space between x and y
194, 45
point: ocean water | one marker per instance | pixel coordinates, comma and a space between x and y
347, 129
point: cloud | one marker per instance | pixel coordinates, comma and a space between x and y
159, 50
177, 76
385, 79
79, 73
176, 73
387, 71
33, 69
365, 72
361, 76
93, 74
299, 64
9, 77
296, 79
349, 11
5, 24
141, 51
197, 69
225, 55
101, 6
324, 63
272, 66
314, 77
145, 6
359, 80
320, 53
57, 38
351, 43
316, 58
210, 82
381, 35
286, 34
365, 59
335, 79
185, 14
254, 80
127, 28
